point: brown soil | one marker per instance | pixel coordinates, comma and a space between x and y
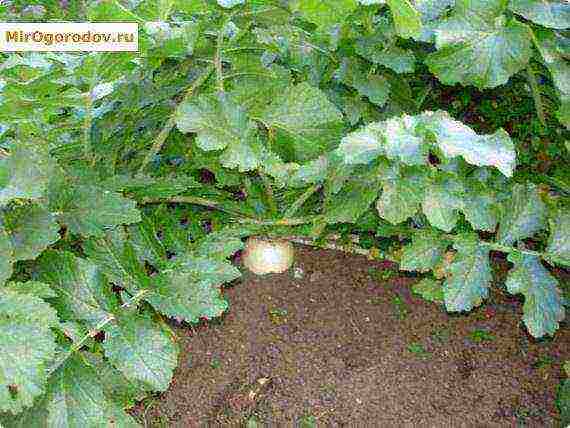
343, 347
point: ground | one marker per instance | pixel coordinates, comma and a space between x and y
341, 340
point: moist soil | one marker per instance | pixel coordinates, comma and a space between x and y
342, 341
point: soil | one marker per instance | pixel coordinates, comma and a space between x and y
343, 341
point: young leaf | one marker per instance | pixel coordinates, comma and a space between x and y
89, 209
406, 18
478, 45
525, 214
468, 276
559, 242
32, 229
304, 114
548, 13
27, 346
425, 252
221, 124
430, 289
142, 350
542, 308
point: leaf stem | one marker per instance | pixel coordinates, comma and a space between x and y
535, 90
171, 122
194, 200
301, 200
87, 124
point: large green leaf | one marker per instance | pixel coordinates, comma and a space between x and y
479, 45
559, 242
27, 346
305, 115
220, 124
406, 18
542, 308
548, 13
89, 209
425, 252
83, 293
142, 350
190, 288
32, 229
468, 276
25, 172
75, 398
408, 138
525, 214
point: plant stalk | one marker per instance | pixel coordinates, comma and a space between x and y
171, 122
535, 90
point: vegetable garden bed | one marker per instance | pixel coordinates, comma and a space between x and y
340, 340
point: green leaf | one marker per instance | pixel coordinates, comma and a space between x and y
456, 139
548, 13
407, 139
468, 276
430, 289
480, 206
323, 13
542, 308
150, 187
28, 346
142, 350
305, 115
525, 214
425, 252
35, 288
374, 87
548, 43
75, 398
24, 174
441, 203
190, 289
220, 124
563, 401
401, 196
355, 197
89, 209
32, 229
406, 18
83, 293
559, 241
478, 45
6, 254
